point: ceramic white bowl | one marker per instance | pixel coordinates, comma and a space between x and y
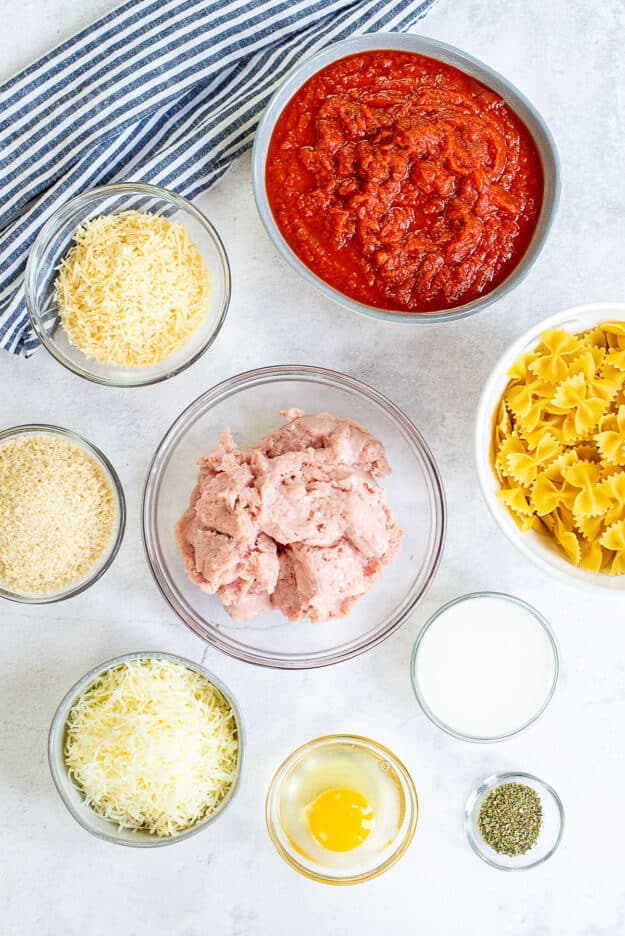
540, 549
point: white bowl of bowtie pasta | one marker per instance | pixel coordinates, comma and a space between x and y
550, 444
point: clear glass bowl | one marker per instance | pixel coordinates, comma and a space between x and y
54, 240
414, 668
250, 405
452, 56
73, 798
551, 830
353, 869
541, 549
120, 513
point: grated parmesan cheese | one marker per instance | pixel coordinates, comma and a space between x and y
152, 745
57, 514
132, 289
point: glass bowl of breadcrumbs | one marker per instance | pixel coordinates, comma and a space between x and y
62, 514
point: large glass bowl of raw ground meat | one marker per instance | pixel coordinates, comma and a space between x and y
293, 517
405, 179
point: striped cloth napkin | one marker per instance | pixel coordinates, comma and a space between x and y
160, 91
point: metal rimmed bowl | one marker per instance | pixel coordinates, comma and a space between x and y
541, 549
551, 830
415, 667
250, 404
450, 55
73, 798
54, 240
352, 867
116, 489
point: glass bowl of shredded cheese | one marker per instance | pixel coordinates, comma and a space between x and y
127, 284
62, 514
145, 750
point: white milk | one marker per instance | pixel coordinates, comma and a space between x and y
485, 666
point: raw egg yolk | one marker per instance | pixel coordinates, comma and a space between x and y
340, 819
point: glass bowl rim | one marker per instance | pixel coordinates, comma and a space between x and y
491, 783
215, 395
431, 620
64, 213
408, 786
57, 728
432, 48
101, 459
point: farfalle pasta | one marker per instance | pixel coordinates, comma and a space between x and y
558, 444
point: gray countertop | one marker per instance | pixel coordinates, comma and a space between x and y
55, 880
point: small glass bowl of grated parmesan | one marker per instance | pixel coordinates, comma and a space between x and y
127, 284
145, 750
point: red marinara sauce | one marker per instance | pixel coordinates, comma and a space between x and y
403, 182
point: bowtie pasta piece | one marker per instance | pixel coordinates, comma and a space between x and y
612, 440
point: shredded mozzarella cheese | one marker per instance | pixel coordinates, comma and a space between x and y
152, 745
132, 289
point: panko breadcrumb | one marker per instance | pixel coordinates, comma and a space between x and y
57, 514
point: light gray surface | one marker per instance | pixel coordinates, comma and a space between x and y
55, 879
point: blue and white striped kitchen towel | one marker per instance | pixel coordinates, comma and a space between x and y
161, 91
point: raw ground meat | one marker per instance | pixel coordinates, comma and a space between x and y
297, 523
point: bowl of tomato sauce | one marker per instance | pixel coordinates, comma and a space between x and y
405, 179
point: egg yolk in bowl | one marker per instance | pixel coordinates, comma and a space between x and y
340, 819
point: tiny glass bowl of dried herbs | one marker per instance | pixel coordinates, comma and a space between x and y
514, 821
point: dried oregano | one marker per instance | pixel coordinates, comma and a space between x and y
510, 818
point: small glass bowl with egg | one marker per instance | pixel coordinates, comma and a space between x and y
341, 809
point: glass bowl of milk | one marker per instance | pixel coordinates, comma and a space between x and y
485, 666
